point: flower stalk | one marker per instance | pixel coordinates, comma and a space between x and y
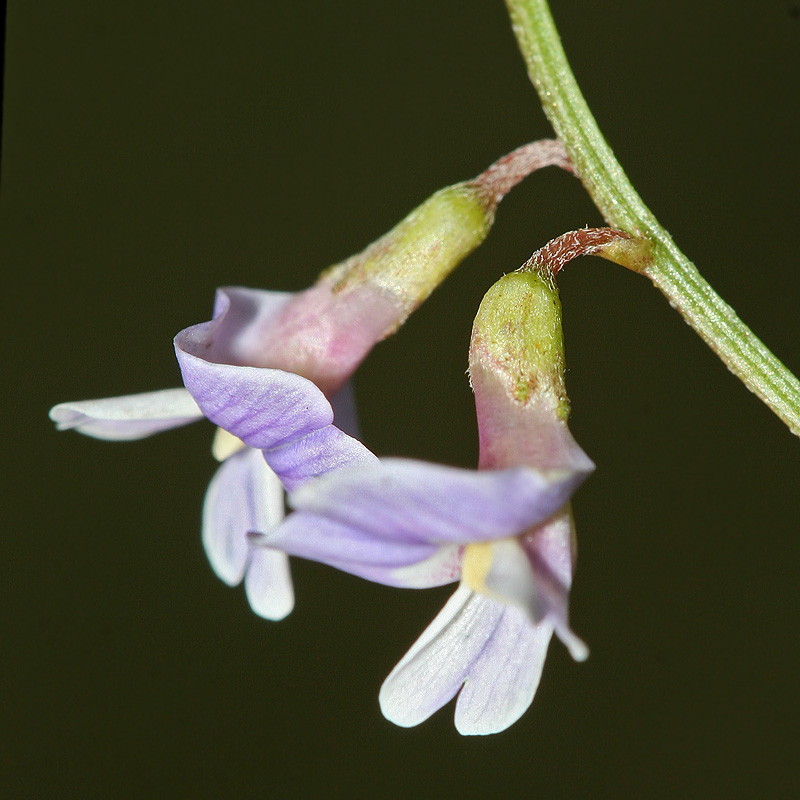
608, 185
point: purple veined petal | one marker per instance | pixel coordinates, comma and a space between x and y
320, 333
416, 501
441, 567
244, 495
503, 680
317, 453
553, 544
265, 408
331, 542
129, 417
224, 367
268, 583
438, 663
345, 415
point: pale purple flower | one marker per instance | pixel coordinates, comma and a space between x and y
292, 419
238, 369
505, 531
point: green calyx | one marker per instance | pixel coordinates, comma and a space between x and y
517, 334
412, 259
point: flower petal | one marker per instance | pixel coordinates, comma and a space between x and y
438, 569
420, 502
401, 564
531, 572
268, 409
443, 567
129, 417
503, 679
244, 495
435, 667
315, 454
265, 408
241, 324
331, 542
490, 648
221, 368
549, 550
268, 583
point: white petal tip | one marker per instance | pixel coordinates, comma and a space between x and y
470, 730
268, 586
229, 579
63, 416
398, 713
273, 613
577, 647
399, 721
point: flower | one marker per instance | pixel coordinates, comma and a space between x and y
263, 370
505, 530
279, 412
245, 495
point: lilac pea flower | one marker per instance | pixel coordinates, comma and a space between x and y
506, 534
505, 531
272, 409
245, 495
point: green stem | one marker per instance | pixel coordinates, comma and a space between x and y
670, 270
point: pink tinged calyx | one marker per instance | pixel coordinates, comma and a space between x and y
517, 352
517, 373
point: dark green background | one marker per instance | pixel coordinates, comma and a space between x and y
155, 150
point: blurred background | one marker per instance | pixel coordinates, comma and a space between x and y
153, 151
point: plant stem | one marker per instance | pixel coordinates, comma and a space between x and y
670, 270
